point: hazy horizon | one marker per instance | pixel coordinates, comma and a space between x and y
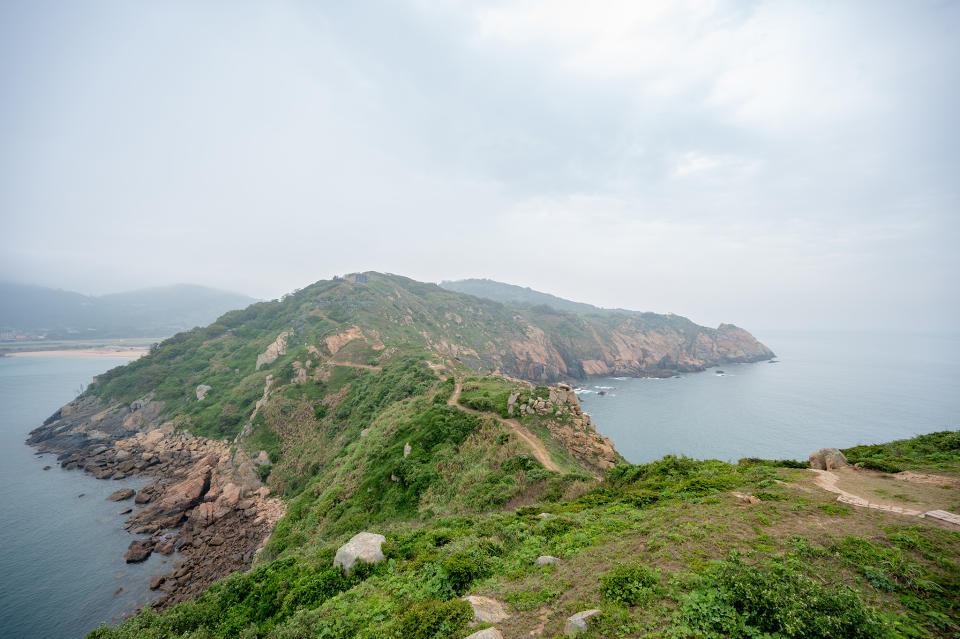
773, 165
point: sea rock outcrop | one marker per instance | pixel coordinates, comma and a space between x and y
205, 501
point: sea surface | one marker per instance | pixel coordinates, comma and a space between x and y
826, 389
61, 543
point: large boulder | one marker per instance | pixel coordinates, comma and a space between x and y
486, 610
139, 550
120, 495
363, 547
827, 459
579, 623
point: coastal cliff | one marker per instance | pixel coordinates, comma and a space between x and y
205, 501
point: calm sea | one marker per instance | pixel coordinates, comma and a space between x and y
61, 555
61, 543
827, 389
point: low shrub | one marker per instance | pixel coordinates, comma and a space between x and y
461, 569
734, 599
432, 619
631, 584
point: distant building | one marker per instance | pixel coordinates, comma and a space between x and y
360, 278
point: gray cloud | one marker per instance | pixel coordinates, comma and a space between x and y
771, 164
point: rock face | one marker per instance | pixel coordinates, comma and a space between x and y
628, 344
570, 424
489, 633
139, 550
275, 350
120, 495
363, 547
579, 623
202, 391
205, 502
827, 459
486, 610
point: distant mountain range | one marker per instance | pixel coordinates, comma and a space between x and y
517, 295
36, 311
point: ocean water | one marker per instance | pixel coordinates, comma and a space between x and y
61, 554
827, 389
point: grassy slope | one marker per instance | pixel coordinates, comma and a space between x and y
661, 549
936, 451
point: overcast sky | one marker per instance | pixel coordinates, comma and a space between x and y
770, 164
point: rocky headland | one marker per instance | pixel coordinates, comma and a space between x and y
205, 504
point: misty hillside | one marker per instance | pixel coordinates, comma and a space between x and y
150, 312
512, 294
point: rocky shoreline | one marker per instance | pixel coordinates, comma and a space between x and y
205, 502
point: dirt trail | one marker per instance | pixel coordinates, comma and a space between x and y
828, 481
536, 446
923, 493
375, 369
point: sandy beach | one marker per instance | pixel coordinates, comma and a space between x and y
131, 352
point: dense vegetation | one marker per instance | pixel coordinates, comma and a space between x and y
936, 451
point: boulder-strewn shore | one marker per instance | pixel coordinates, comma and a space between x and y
205, 502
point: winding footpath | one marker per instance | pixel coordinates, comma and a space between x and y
536, 446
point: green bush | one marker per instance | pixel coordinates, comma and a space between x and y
733, 599
432, 619
461, 569
879, 465
631, 584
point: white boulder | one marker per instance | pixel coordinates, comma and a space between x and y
363, 547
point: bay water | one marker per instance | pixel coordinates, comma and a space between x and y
62, 570
825, 389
